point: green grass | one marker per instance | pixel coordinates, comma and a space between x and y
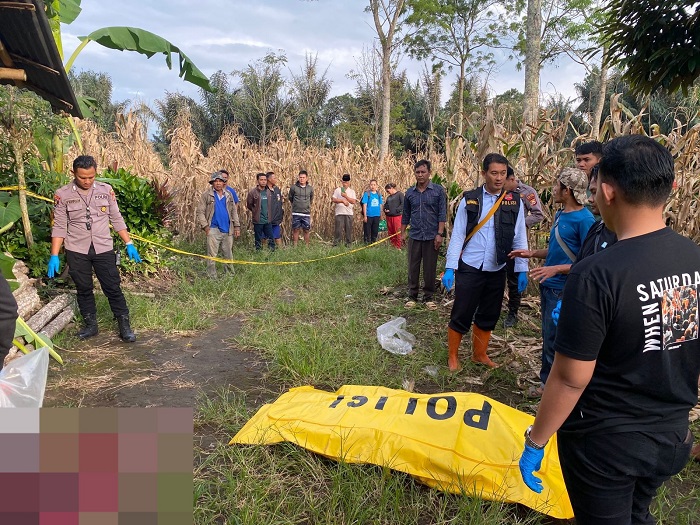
315, 324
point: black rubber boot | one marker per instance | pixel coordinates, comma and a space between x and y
90, 328
125, 331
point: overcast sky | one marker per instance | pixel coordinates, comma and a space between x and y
227, 35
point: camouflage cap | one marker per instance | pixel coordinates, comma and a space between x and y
577, 181
217, 175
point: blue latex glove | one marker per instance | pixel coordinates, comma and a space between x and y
54, 266
530, 462
448, 279
522, 282
133, 253
555, 313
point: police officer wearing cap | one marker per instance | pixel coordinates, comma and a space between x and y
83, 211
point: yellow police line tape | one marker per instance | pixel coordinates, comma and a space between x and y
218, 259
264, 263
30, 193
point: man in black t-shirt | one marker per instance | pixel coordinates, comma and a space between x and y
620, 390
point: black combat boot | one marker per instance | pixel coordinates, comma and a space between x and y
90, 328
125, 331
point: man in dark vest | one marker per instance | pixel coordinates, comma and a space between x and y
489, 224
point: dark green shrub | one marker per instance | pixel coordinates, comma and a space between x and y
145, 206
43, 183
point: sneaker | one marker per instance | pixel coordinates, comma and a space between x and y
510, 321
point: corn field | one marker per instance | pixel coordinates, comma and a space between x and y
538, 153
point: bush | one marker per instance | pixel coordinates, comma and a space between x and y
145, 206
13, 240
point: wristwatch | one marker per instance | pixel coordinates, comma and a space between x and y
532, 444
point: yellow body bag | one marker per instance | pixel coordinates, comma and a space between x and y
457, 442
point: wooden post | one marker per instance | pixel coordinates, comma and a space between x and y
8, 73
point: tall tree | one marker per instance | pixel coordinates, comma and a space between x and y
368, 78
167, 112
96, 89
263, 102
459, 33
349, 118
219, 107
508, 107
432, 91
533, 57
387, 15
657, 44
309, 92
552, 28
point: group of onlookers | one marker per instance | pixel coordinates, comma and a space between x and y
217, 212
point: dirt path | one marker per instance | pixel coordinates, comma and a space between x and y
158, 370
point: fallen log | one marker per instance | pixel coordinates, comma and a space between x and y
28, 301
48, 312
50, 320
60, 322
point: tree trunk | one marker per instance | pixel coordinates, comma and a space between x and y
532, 61
460, 103
19, 166
386, 101
391, 11
44, 316
602, 93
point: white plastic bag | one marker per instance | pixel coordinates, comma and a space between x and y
393, 338
23, 380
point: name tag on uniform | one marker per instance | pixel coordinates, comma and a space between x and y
472, 202
102, 196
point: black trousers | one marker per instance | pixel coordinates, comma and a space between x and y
612, 478
513, 293
477, 292
263, 231
370, 229
105, 266
422, 252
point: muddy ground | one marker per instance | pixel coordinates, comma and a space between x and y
158, 370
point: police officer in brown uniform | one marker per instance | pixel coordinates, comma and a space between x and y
83, 211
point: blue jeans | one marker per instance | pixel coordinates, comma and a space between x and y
263, 231
548, 300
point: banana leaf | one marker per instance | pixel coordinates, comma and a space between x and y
9, 213
146, 43
30, 336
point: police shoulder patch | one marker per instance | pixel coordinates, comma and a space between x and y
532, 199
